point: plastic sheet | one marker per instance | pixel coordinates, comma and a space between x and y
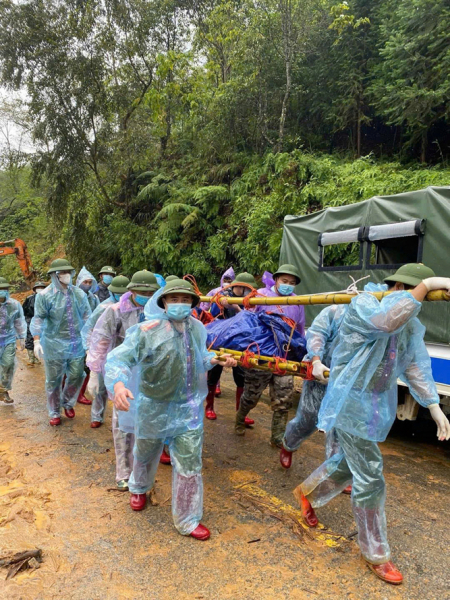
8, 365
187, 485
171, 362
295, 313
379, 341
360, 463
269, 331
86, 332
57, 395
110, 329
12, 322
82, 276
59, 317
228, 273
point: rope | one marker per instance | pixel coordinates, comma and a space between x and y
247, 354
193, 281
275, 366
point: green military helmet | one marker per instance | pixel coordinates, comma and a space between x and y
119, 284
107, 270
171, 278
288, 270
143, 281
244, 279
4, 284
60, 264
179, 286
39, 284
411, 274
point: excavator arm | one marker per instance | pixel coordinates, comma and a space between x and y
19, 248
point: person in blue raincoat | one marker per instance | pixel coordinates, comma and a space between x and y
105, 276
109, 332
60, 312
168, 352
96, 386
12, 327
379, 341
321, 340
86, 282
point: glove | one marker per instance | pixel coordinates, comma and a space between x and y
21, 343
443, 426
38, 351
93, 385
437, 283
318, 371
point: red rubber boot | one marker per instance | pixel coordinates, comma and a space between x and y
164, 459
81, 397
218, 391
209, 409
285, 458
348, 490
138, 501
387, 572
200, 532
239, 392
305, 506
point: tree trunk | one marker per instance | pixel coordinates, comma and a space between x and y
287, 94
423, 149
358, 133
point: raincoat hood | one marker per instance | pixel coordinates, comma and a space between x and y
83, 275
228, 273
268, 279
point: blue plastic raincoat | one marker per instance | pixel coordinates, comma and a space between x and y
12, 326
59, 317
86, 332
92, 299
172, 361
379, 341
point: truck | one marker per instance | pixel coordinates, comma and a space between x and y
373, 238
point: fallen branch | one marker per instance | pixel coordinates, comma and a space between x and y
30, 559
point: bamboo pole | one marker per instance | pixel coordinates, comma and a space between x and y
297, 369
436, 296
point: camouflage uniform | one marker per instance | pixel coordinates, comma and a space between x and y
281, 390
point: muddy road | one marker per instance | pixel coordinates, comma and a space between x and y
57, 493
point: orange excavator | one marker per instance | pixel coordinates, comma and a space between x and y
19, 248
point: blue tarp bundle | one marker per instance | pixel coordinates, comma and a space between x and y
269, 331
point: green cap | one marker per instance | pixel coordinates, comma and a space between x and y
108, 270
119, 285
171, 278
411, 274
143, 281
244, 279
4, 284
60, 264
179, 286
288, 270
39, 284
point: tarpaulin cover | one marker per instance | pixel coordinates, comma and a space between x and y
300, 247
269, 331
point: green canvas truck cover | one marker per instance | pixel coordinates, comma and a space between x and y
379, 235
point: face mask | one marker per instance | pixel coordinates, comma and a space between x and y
4, 294
65, 278
107, 279
85, 287
285, 289
178, 312
117, 297
141, 300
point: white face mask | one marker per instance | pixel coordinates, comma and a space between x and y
65, 278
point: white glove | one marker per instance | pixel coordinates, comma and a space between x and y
93, 385
443, 426
318, 371
21, 343
38, 351
437, 283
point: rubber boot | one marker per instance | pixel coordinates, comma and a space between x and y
387, 572
239, 392
285, 458
305, 506
200, 532
218, 391
31, 358
279, 422
209, 408
6, 398
81, 397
